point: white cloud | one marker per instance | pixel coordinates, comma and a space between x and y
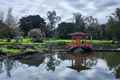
64, 8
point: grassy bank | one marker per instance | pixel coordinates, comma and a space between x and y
40, 46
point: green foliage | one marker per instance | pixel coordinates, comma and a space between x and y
53, 19
79, 22
113, 25
93, 28
10, 51
13, 41
64, 29
31, 22
6, 31
26, 40
113, 59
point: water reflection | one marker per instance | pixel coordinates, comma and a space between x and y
80, 61
6, 65
112, 58
1, 66
52, 62
34, 60
59, 66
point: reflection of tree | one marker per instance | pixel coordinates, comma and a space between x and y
118, 72
112, 59
1, 66
91, 62
52, 63
8, 66
62, 56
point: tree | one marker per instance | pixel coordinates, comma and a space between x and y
10, 20
118, 72
31, 22
92, 27
1, 16
113, 25
8, 66
79, 22
117, 14
103, 30
6, 31
65, 28
52, 63
53, 19
11, 23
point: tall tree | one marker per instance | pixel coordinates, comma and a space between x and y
113, 25
31, 22
6, 31
79, 22
53, 19
92, 27
10, 20
117, 14
1, 16
12, 24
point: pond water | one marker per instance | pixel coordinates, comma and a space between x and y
61, 66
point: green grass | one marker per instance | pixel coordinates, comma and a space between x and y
94, 42
10, 51
29, 41
25, 40
101, 41
39, 46
107, 43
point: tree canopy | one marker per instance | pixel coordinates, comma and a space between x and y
114, 25
31, 22
6, 31
79, 22
64, 29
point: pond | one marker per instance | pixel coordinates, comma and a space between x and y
61, 66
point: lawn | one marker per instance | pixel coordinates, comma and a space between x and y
27, 41
40, 46
94, 42
10, 51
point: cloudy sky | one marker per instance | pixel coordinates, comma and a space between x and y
64, 8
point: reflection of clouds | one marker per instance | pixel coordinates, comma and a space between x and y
101, 64
25, 72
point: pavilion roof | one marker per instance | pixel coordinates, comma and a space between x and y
78, 34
